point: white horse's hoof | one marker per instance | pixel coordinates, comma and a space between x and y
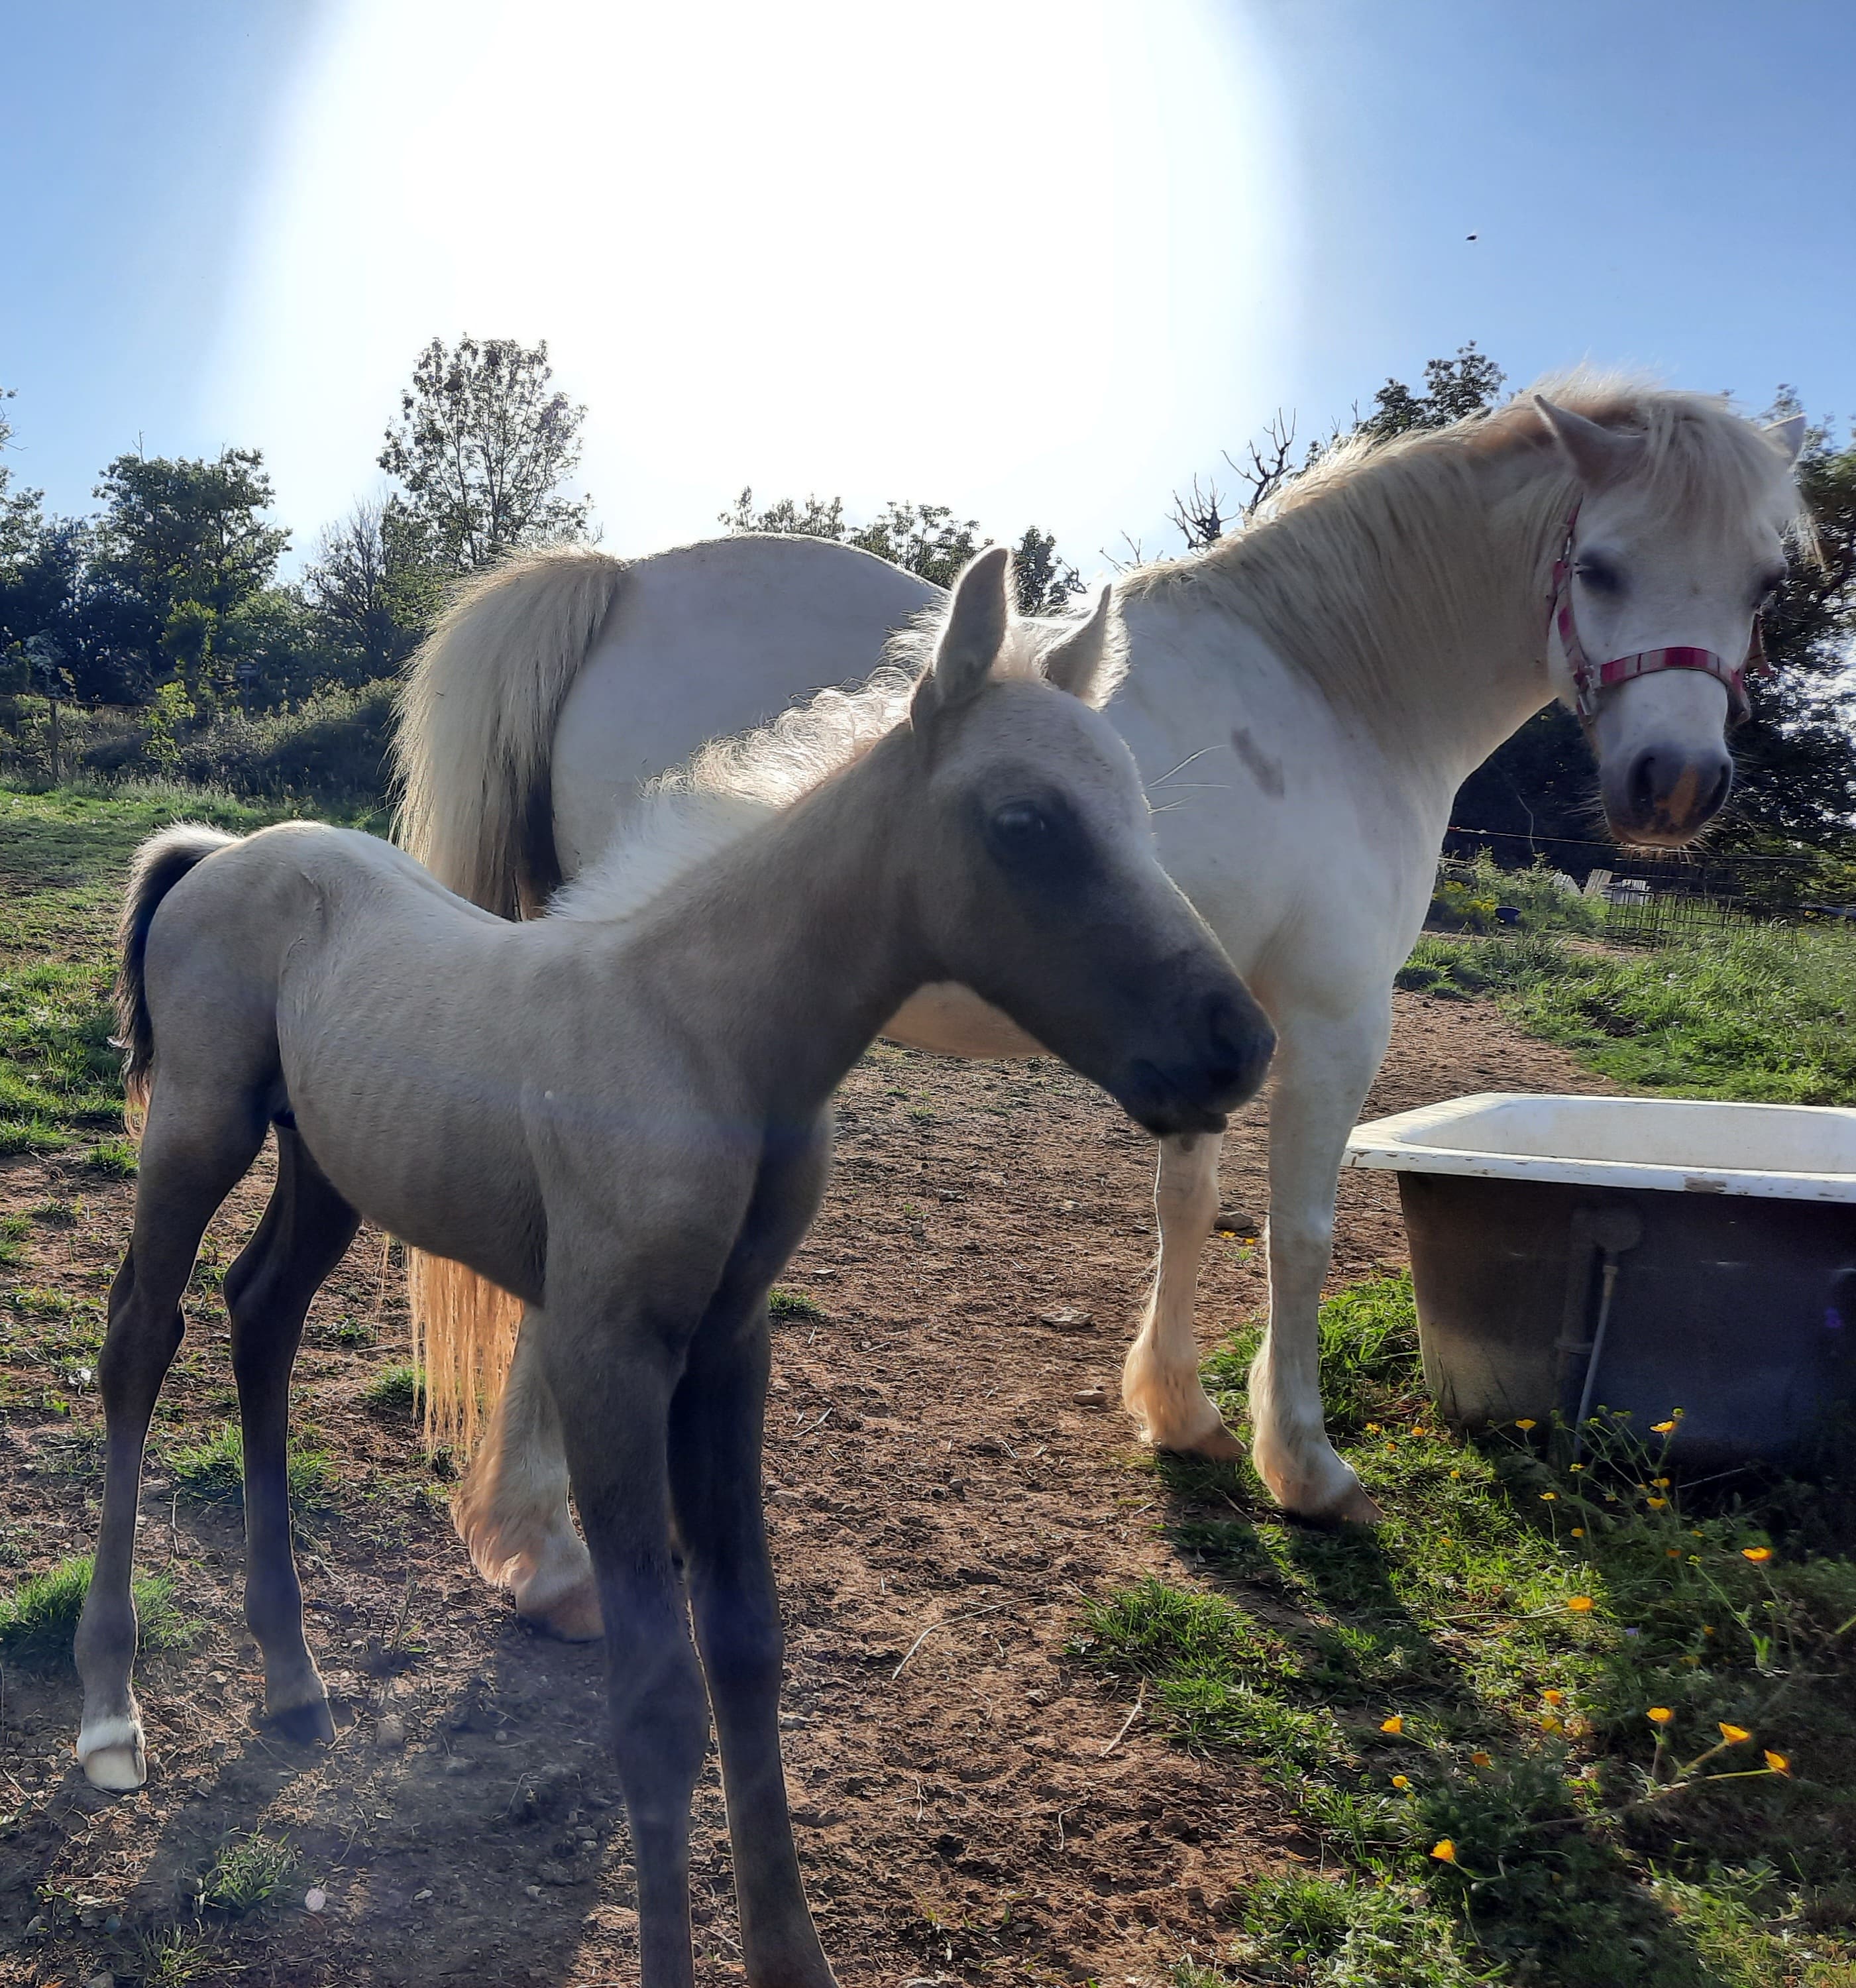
1358, 1508
113, 1757
573, 1616
1216, 1445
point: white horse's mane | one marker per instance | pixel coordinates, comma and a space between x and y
730, 786
1369, 558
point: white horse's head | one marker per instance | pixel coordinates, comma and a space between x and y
1676, 542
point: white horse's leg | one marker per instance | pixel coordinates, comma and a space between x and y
511, 1512
1160, 1382
1323, 1072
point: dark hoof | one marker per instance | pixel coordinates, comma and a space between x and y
311, 1725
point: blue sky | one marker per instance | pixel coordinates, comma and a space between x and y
1037, 259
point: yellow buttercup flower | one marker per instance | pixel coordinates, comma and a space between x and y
1525, 1422
1777, 1763
1659, 1715
1661, 1483
1444, 1851
1549, 1497
1662, 1428
1734, 1736
1756, 1554
1395, 1724
1656, 1504
1580, 1605
1578, 1532
1672, 1553
1478, 1759
1401, 1781
1554, 1697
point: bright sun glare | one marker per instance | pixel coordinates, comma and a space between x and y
1028, 259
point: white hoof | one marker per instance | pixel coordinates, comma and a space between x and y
112, 1756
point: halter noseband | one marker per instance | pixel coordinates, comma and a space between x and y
1589, 678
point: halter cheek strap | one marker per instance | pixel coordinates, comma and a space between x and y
1589, 678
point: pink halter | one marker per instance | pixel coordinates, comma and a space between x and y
1589, 678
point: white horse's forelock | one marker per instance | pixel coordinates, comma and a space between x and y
1373, 523
727, 786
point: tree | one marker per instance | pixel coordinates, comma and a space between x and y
923, 539
1454, 390
374, 587
482, 447
181, 544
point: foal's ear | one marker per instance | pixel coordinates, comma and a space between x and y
1091, 661
1787, 436
1598, 455
971, 637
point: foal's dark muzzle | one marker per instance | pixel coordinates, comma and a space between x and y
1228, 1042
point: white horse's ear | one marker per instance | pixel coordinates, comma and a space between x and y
1091, 661
1598, 455
971, 637
1787, 436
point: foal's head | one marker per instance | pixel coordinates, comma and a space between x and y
1675, 542
1035, 872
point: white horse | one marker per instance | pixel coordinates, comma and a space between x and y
1303, 699
619, 1112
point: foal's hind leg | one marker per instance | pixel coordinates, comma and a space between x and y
191, 1159
305, 1232
511, 1510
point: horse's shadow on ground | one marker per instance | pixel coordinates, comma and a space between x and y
489, 1848
1362, 1654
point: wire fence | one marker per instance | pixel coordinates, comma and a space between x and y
1652, 898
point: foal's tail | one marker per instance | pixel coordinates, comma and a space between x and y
476, 726
473, 759
159, 864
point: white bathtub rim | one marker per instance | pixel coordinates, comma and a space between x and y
1419, 1142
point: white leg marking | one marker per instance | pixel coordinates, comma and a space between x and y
1321, 1077
1160, 1383
113, 1755
511, 1509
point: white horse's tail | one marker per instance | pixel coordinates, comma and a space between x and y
477, 720
471, 761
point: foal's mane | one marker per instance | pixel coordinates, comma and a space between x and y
729, 786
1380, 551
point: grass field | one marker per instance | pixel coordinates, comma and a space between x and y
62, 856
1551, 1723
1763, 1014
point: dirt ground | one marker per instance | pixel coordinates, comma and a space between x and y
972, 1803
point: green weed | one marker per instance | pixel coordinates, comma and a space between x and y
398, 1391
248, 1872
792, 1304
40, 1618
213, 1471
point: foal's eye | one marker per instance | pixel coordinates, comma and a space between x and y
1018, 825
1599, 575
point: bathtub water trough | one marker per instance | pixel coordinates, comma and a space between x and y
1638, 1253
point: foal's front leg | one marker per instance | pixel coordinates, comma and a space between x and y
715, 1464
612, 1377
305, 1231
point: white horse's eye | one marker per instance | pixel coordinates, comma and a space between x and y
1599, 575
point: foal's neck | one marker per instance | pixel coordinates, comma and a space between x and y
796, 944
